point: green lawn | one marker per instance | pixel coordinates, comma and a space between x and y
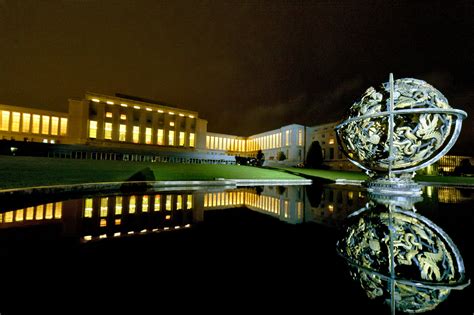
333, 175
33, 171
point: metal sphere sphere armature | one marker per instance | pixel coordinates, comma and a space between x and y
404, 126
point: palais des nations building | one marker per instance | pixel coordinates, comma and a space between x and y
123, 127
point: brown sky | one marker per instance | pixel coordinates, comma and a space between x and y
245, 66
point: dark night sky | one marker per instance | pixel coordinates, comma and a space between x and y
245, 66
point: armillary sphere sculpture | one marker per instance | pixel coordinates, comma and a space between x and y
392, 132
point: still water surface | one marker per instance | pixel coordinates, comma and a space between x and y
267, 247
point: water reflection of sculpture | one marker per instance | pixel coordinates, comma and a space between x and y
402, 251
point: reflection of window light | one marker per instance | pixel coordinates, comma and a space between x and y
145, 204
39, 212
168, 217
148, 109
189, 202
330, 208
108, 114
171, 137
171, 113
181, 138
331, 141
29, 213
191, 116
110, 102
103, 207
45, 140
88, 208
133, 205
54, 125
58, 210
148, 135
36, 124
191, 139
122, 132
49, 211
181, 115
118, 205
168, 203
136, 134
108, 131
87, 237
179, 202
26, 122
159, 139
118, 221
117, 234
45, 125
103, 222
136, 107
124, 105
16, 121
95, 100
123, 117
157, 203
350, 195
171, 123
19, 215
160, 111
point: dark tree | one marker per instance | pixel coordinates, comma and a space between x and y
260, 158
464, 168
314, 159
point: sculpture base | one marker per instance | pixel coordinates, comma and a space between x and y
393, 186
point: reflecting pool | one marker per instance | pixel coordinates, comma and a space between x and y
325, 246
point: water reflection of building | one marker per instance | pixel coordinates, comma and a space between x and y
448, 194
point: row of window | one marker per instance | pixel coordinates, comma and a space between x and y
38, 213
110, 102
159, 140
33, 123
250, 145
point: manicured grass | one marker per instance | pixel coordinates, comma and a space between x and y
333, 175
33, 171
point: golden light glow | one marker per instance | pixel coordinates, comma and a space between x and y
108, 131
117, 234
39, 212
160, 111
122, 132
171, 137
103, 222
171, 123
108, 114
63, 127
171, 113
331, 141
36, 123
124, 105
58, 210
16, 121
157, 203
191, 116
160, 136
19, 215
118, 205
110, 102
189, 202
136, 134
5, 121
87, 237
45, 125
96, 100
88, 210
148, 135
331, 208
145, 204
104, 207
148, 109
25, 127
92, 128
49, 211
168, 217
30, 213
191, 140
133, 204
123, 117
168, 203
136, 107
54, 125
179, 202
181, 115
181, 138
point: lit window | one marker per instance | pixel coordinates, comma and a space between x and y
5, 120
160, 111
208, 142
58, 210
108, 114
88, 208
136, 107
9, 216
45, 125
19, 215
132, 206
148, 135
25, 127
39, 212
157, 203
181, 115
92, 128
103, 207
118, 205
108, 131
36, 124
148, 109
191, 139
300, 137
136, 134
191, 116
29, 213
16, 121
171, 123
123, 117
171, 137
287, 137
52, 141
181, 138
330, 208
54, 125
45, 140
124, 105
160, 136
331, 141
118, 222
168, 203
110, 102
189, 202
179, 202
95, 100
122, 132
49, 211
171, 113
145, 204
103, 222
63, 127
